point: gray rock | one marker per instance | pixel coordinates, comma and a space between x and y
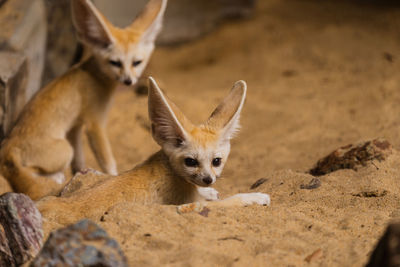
23, 29
6, 257
13, 76
22, 49
21, 232
61, 41
187, 20
80, 244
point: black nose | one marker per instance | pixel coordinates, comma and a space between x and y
128, 81
207, 180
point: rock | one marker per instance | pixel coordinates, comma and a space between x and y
13, 76
258, 183
313, 184
205, 212
22, 225
6, 257
387, 251
24, 30
83, 180
353, 156
61, 46
22, 49
368, 194
80, 244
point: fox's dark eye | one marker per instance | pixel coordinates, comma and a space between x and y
115, 63
216, 162
190, 162
136, 63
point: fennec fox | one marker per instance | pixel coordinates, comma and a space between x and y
47, 137
191, 157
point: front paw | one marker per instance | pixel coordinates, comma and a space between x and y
208, 193
254, 198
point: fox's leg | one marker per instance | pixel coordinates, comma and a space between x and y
208, 193
75, 138
101, 148
244, 199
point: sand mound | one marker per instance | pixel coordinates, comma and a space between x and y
321, 75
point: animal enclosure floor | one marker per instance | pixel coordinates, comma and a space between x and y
320, 74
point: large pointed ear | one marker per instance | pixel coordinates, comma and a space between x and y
90, 25
149, 21
225, 118
167, 122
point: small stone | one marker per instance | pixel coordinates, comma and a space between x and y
205, 211
22, 225
191, 207
258, 183
313, 184
387, 251
80, 244
314, 256
353, 156
375, 193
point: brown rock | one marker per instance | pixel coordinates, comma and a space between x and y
22, 225
80, 244
387, 251
353, 156
83, 180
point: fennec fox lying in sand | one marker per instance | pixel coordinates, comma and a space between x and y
47, 137
191, 157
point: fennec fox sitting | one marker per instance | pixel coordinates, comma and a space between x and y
191, 157
47, 137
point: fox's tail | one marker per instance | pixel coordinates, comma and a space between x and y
5, 186
23, 179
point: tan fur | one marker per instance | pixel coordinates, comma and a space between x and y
47, 137
154, 181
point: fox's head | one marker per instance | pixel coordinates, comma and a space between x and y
196, 153
122, 53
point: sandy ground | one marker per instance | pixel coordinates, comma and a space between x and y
321, 75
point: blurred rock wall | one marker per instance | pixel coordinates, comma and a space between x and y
22, 51
185, 20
